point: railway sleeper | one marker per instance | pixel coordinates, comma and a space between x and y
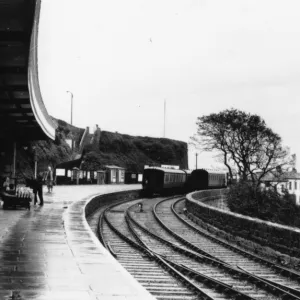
280, 269
250, 277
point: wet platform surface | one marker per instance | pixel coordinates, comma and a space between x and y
50, 253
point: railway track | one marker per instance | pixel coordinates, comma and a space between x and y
138, 261
272, 286
229, 253
174, 261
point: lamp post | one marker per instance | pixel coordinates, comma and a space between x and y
35, 161
71, 106
196, 161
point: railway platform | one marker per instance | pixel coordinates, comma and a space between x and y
50, 253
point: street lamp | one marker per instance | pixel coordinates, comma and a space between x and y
71, 106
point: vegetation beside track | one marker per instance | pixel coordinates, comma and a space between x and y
267, 205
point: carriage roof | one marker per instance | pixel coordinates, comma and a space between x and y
165, 170
213, 172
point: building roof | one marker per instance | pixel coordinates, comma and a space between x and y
113, 167
166, 170
23, 115
276, 177
292, 175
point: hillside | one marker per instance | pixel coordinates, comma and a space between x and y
131, 152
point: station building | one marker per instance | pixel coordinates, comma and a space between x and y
71, 172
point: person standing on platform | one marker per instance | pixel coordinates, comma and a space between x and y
37, 186
39, 189
49, 179
6, 184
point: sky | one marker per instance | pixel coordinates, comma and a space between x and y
123, 59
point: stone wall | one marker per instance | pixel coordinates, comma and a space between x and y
259, 235
111, 198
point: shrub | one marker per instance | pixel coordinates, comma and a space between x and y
264, 204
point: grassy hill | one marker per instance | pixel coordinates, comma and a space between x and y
130, 152
133, 152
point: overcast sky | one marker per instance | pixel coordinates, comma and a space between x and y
122, 59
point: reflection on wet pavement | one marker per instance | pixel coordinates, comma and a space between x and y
44, 258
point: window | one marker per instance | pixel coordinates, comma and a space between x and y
295, 185
166, 177
113, 175
290, 185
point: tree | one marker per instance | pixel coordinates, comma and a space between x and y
244, 142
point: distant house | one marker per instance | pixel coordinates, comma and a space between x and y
115, 174
289, 181
70, 173
133, 177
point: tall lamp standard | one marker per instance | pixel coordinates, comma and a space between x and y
71, 116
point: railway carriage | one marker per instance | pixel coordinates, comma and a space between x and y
159, 180
206, 179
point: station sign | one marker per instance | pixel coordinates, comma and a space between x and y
170, 167
60, 172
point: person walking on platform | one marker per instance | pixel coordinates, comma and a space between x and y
49, 179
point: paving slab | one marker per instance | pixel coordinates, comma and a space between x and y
50, 252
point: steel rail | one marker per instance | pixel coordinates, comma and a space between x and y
152, 256
100, 225
283, 271
181, 239
223, 265
167, 266
174, 269
225, 288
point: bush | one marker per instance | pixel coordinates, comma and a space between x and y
267, 205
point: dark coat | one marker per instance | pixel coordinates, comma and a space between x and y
35, 184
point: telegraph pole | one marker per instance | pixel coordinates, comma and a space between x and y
196, 161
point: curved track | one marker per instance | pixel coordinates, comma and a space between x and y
136, 260
195, 265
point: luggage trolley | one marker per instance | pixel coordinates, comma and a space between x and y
16, 197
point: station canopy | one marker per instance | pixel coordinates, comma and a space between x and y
23, 115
